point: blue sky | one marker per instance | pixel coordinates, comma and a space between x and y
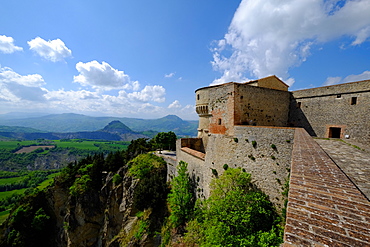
145, 58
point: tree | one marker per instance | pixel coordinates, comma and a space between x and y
181, 197
235, 214
165, 140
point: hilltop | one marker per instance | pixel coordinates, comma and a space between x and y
114, 131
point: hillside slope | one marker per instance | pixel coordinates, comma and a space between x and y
70, 122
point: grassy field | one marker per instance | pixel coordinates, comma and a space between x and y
80, 144
14, 144
9, 180
5, 194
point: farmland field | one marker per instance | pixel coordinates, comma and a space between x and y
80, 144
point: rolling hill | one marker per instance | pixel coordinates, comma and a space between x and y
69, 122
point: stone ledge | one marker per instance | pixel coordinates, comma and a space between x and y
194, 153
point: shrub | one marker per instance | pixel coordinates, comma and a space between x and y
117, 179
214, 172
273, 146
225, 166
254, 144
273, 157
236, 140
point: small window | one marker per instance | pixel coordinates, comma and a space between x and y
299, 104
197, 96
339, 96
241, 97
219, 121
353, 100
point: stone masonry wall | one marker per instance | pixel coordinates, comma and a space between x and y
269, 166
261, 106
318, 109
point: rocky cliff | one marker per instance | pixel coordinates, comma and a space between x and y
105, 214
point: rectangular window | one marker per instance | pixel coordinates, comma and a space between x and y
353, 100
219, 121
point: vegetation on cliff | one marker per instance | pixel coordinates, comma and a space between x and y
81, 198
122, 199
235, 214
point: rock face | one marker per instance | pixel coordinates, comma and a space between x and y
95, 219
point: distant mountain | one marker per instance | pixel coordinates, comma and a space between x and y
116, 127
69, 122
114, 131
18, 129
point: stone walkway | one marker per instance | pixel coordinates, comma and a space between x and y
325, 208
354, 163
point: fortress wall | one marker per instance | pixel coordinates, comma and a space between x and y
268, 174
319, 109
261, 106
221, 106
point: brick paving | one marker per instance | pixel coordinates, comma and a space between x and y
354, 163
325, 208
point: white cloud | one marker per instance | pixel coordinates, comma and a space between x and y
52, 50
351, 78
7, 75
149, 93
15, 87
169, 75
103, 76
175, 104
7, 45
269, 37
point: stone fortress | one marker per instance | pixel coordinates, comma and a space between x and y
261, 127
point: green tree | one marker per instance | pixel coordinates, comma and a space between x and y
235, 214
165, 140
181, 197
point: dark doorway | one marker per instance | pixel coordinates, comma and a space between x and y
334, 132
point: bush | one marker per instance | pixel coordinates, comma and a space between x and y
273, 146
117, 179
140, 166
234, 215
225, 167
254, 144
214, 172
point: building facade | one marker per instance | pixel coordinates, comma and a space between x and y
251, 125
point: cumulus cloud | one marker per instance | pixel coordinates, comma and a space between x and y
52, 50
103, 76
7, 45
15, 87
269, 37
7, 75
169, 75
175, 104
149, 93
351, 78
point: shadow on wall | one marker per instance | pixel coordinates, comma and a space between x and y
297, 118
193, 143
